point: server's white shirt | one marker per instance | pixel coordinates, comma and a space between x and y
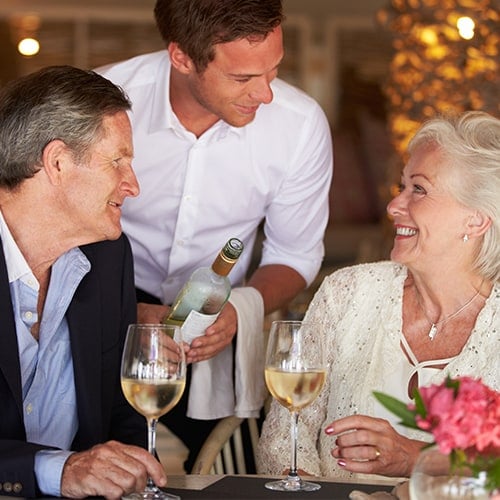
196, 193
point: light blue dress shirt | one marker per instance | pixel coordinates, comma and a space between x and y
49, 397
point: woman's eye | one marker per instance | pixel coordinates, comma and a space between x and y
418, 189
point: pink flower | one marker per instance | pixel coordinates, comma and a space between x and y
462, 416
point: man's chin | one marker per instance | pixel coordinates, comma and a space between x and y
241, 120
114, 234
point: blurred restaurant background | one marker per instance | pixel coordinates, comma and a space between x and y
377, 67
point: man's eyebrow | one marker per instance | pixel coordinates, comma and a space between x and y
250, 75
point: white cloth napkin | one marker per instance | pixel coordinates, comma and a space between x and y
213, 392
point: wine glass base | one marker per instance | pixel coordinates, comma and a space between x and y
292, 485
151, 495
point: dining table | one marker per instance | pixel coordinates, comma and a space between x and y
252, 487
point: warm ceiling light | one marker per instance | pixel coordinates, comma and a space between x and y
28, 47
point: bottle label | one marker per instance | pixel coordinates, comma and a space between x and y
195, 325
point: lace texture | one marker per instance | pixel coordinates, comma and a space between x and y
359, 309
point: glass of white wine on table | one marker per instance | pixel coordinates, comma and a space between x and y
153, 377
295, 371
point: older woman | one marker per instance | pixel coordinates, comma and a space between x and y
391, 326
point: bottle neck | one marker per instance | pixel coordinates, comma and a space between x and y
222, 265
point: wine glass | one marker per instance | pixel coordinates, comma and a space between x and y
153, 377
295, 371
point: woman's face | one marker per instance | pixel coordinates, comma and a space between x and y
429, 222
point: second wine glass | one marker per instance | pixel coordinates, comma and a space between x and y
153, 377
295, 371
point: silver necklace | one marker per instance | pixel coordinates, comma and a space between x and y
434, 324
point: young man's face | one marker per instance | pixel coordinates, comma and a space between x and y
237, 81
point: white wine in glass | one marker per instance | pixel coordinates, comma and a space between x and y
153, 377
295, 371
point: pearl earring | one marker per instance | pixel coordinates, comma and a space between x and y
465, 239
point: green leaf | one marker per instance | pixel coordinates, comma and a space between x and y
494, 475
419, 404
397, 407
452, 383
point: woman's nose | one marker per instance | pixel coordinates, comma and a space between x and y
396, 205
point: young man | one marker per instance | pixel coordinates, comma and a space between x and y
66, 290
222, 146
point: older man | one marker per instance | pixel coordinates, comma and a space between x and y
66, 289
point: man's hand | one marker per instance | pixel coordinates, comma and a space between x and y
110, 470
217, 336
151, 313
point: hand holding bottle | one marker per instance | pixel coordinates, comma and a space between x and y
151, 313
201, 299
217, 336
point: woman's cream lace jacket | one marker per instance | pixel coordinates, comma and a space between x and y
360, 311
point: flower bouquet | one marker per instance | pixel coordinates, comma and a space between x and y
463, 415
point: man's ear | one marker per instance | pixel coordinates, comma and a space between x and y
179, 59
55, 157
478, 224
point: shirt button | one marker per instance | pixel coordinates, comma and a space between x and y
17, 487
29, 408
7, 487
28, 315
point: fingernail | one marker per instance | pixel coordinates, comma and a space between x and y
342, 463
329, 430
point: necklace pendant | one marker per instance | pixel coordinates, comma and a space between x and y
432, 331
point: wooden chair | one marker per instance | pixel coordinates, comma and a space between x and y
223, 451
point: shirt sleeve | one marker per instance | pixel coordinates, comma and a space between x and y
48, 470
297, 217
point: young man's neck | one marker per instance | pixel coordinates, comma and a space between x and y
193, 116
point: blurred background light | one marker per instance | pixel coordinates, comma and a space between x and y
28, 47
446, 59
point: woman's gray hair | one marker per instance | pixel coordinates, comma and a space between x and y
471, 143
57, 102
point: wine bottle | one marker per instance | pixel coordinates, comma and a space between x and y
201, 299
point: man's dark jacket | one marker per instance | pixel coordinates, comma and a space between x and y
102, 307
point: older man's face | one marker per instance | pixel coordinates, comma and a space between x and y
103, 182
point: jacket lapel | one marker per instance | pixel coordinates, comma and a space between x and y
84, 320
9, 353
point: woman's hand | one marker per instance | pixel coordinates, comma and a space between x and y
371, 446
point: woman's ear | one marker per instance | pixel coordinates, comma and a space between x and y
478, 224
179, 59
55, 157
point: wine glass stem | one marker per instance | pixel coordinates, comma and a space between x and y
294, 428
151, 446
152, 435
